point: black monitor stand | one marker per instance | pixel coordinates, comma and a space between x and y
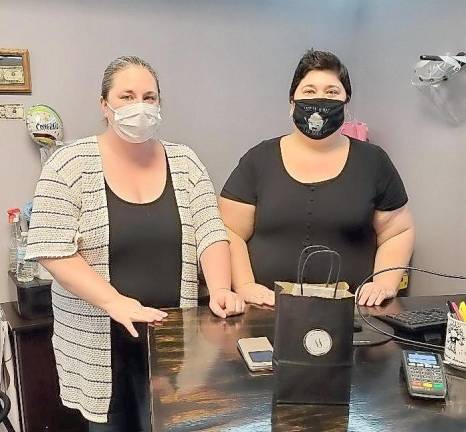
364, 335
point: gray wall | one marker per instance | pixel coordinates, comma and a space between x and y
428, 149
225, 68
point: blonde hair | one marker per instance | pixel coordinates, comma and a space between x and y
122, 63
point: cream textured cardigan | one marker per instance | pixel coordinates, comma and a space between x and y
70, 215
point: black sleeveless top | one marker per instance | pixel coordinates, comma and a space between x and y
145, 248
337, 213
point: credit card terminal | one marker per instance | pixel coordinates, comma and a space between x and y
424, 374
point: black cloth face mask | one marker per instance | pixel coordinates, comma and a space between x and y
318, 118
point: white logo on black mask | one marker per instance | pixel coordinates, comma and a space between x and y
315, 122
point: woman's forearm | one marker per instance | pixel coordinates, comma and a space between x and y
394, 252
215, 262
76, 276
241, 269
243, 280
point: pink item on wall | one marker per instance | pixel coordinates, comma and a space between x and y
356, 129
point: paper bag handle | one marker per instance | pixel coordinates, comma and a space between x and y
300, 261
333, 254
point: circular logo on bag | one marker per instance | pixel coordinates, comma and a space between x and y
317, 342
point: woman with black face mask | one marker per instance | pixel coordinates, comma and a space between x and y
316, 186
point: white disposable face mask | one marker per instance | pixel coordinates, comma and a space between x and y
136, 123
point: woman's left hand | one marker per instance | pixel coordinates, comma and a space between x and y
224, 303
374, 293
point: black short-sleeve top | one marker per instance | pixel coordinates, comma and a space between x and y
291, 215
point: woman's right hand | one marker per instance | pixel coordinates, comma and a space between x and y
256, 294
126, 310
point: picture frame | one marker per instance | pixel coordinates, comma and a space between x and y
15, 74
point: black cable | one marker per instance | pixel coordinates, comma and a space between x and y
399, 338
5, 409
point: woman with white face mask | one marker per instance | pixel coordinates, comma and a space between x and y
121, 221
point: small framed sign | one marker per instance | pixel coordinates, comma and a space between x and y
15, 75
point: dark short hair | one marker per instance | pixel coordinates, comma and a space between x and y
320, 60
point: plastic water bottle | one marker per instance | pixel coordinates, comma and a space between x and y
24, 269
13, 221
12, 250
35, 269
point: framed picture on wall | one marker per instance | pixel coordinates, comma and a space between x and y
15, 75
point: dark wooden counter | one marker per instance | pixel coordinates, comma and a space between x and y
200, 382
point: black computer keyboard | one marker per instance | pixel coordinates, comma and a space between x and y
415, 321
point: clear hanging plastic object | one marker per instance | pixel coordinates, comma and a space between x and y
433, 75
433, 70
